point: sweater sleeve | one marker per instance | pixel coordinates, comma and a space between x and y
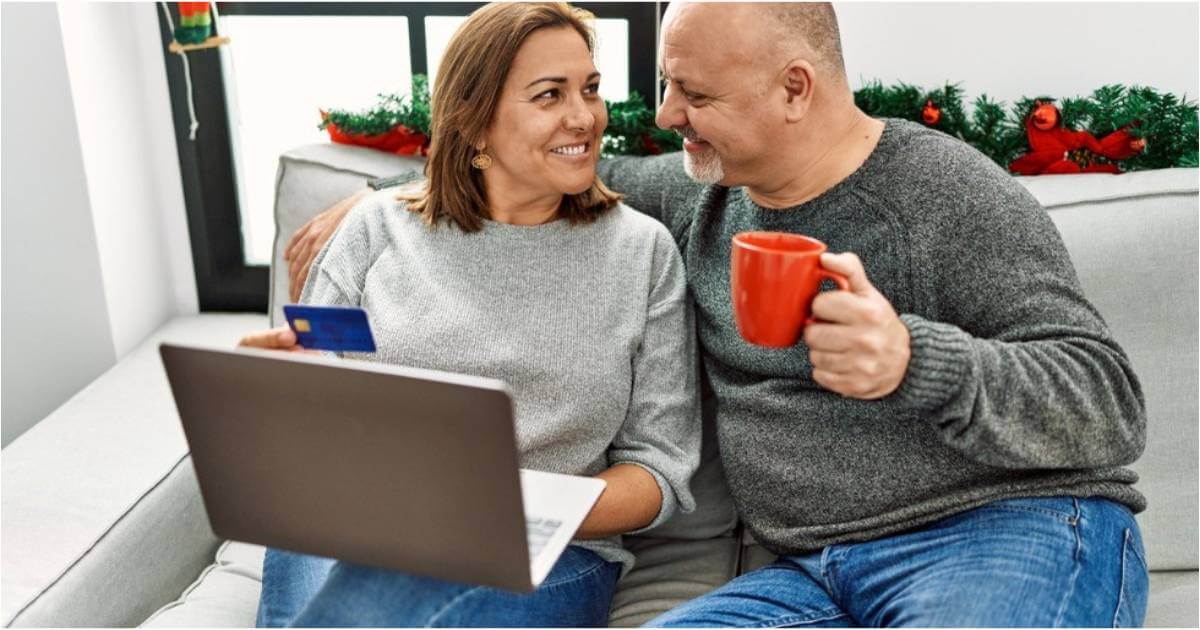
656, 186
661, 431
1010, 363
339, 271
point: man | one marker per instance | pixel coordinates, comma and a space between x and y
945, 446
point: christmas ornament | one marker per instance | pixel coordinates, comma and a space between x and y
195, 23
1053, 149
931, 114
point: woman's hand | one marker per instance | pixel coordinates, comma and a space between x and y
281, 338
307, 242
630, 501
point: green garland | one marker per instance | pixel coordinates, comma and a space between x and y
1168, 123
391, 110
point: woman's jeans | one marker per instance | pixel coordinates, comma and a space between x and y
1044, 562
308, 591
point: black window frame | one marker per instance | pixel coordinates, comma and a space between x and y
224, 281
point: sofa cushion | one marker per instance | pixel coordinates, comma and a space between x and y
225, 595
1173, 600
314, 177
667, 573
101, 519
309, 180
1132, 239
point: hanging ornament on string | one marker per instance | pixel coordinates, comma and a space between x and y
195, 23
195, 32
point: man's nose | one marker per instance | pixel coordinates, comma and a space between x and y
671, 112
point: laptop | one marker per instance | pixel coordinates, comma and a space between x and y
401, 468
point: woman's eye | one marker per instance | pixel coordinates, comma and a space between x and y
547, 95
594, 88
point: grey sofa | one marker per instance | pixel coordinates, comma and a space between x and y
102, 522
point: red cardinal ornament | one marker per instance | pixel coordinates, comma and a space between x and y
1054, 149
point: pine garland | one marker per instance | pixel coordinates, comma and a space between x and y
391, 110
1167, 122
631, 130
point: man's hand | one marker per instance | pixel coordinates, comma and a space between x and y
306, 243
859, 347
281, 338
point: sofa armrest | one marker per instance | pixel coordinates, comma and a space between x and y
101, 516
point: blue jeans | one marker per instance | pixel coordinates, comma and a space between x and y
308, 591
1044, 562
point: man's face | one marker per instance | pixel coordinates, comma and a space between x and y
717, 96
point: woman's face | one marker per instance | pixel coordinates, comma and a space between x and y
545, 137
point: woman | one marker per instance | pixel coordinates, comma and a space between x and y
513, 261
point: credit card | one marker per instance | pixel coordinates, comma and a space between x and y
335, 328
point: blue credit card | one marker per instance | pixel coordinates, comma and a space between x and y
336, 328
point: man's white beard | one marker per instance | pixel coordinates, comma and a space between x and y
704, 167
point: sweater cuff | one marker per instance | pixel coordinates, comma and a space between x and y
938, 365
667, 510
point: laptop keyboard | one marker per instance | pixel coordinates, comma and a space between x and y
539, 531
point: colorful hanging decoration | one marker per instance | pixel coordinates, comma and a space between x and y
194, 32
195, 23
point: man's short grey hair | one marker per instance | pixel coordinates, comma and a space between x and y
813, 23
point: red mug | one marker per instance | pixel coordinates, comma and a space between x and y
774, 277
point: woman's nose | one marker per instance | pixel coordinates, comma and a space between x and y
580, 117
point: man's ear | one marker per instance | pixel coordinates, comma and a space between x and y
798, 85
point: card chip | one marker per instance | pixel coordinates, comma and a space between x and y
302, 325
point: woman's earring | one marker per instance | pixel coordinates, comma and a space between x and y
482, 161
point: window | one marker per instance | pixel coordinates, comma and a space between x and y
287, 61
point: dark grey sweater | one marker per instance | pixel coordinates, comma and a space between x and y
1015, 387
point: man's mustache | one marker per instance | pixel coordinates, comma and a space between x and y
688, 133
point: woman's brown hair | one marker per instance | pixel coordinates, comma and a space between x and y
469, 82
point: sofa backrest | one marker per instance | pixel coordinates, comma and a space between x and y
1132, 237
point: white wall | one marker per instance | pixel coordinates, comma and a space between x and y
96, 254
119, 84
1010, 50
54, 324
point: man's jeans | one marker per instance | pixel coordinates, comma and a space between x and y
1020, 562
308, 591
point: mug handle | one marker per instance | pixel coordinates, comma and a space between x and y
842, 284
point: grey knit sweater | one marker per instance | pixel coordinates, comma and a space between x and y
589, 325
1015, 387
